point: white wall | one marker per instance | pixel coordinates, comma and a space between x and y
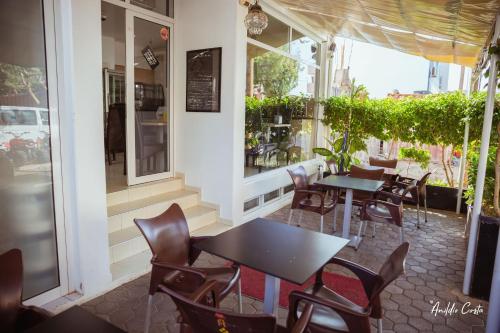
209, 146
82, 132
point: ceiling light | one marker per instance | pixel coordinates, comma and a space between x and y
256, 20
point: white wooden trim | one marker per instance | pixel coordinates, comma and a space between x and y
141, 11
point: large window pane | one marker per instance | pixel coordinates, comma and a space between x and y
304, 48
277, 34
280, 125
164, 7
27, 217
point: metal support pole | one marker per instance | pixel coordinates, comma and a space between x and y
463, 162
481, 169
493, 320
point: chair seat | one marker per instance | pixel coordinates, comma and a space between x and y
315, 205
186, 283
326, 318
379, 213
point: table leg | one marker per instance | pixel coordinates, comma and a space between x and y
271, 295
346, 227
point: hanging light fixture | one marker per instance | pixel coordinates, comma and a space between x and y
256, 20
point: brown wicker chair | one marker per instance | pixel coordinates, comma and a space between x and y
335, 313
416, 195
302, 198
14, 316
174, 253
199, 318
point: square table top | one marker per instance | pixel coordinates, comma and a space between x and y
351, 183
290, 253
75, 320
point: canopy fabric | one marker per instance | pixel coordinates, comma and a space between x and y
453, 31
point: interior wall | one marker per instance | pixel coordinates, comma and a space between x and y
209, 146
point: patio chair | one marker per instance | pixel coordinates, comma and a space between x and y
199, 318
302, 198
359, 172
14, 316
386, 208
335, 313
416, 195
174, 254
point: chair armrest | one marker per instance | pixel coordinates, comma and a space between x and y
311, 192
368, 278
184, 269
301, 325
384, 196
209, 286
194, 253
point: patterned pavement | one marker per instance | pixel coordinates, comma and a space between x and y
434, 273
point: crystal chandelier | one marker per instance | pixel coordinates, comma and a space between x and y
256, 20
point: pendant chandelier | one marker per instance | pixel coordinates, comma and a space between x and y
256, 20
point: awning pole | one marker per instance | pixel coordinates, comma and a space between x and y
463, 162
481, 169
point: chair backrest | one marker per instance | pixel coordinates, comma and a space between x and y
115, 128
167, 235
201, 319
392, 268
358, 172
11, 286
332, 165
299, 177
392, 164
423, 181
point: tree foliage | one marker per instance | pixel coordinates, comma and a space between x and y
277, 74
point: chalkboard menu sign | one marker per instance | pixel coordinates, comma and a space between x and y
203, 80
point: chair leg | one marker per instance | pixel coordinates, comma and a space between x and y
147, 322
361, 224
379, 325
401, 234
300, 217
321, 224
373, 230
364, 228
425, 208
290, 215
335, 218
240, 299
418, 214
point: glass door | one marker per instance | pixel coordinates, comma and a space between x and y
149, 98
30, 172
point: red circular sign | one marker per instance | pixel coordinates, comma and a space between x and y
164, 33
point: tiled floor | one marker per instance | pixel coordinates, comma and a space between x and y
434, 273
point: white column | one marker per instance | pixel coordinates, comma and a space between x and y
481, 170
463, 162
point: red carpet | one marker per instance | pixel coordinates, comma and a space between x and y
252, 285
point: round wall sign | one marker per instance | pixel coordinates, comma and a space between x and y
164, 33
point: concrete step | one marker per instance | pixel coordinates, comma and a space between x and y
129, 241
139, 263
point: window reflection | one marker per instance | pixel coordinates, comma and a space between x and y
280, 122
277, 34
164, 7
304, 48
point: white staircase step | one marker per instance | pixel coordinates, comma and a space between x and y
185, 198
139, 263
143, 191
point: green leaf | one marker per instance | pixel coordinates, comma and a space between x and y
322, 151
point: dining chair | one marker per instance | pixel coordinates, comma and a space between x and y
173, 256
14, 316
416, 195
386, 208
303, 195
201, 318
333, 312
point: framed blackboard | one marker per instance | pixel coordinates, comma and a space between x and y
203, 80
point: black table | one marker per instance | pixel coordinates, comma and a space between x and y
75, 320
349, 184
276, 249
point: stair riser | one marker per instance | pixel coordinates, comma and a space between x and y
142, 192
126, 220
202, 221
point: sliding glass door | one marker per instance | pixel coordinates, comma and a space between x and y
31, 218
149, 98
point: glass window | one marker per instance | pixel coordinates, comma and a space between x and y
26, 183
251, 204
304, 48
288, 189
277, 34
164, 7
280, 119
271, 195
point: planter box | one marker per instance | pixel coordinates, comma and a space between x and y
485, 256
444, 198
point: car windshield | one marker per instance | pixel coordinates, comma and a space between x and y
17, 117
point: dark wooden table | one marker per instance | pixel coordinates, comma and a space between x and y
276, 249
75, 320
350, 184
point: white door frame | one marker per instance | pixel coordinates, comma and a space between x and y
57, 181
130, 14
